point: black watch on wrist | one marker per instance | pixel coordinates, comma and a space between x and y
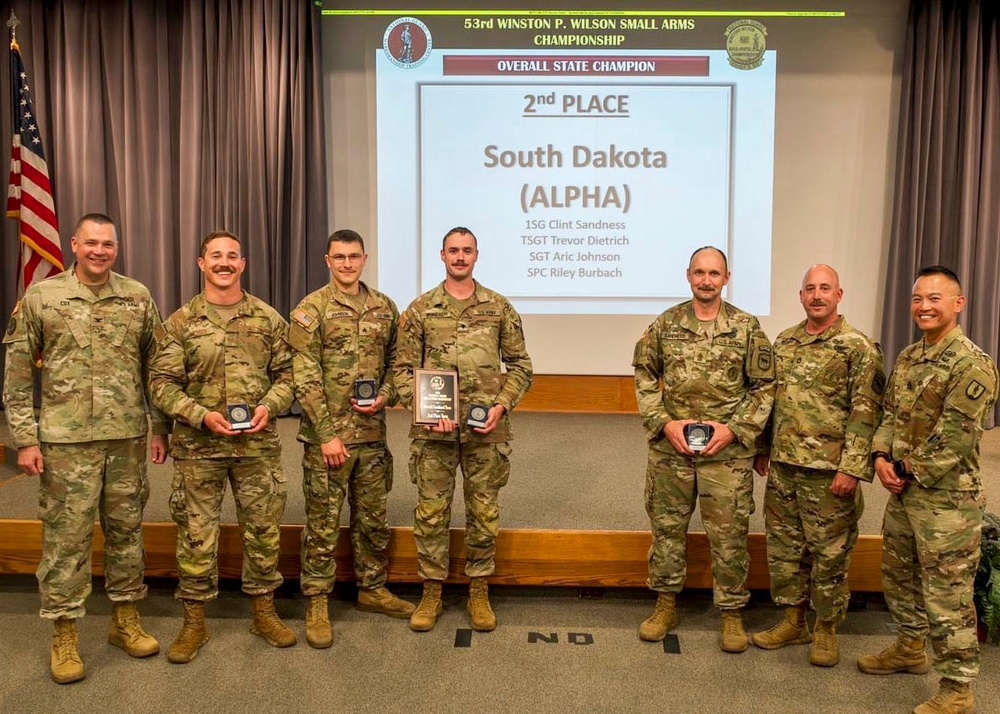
876, 455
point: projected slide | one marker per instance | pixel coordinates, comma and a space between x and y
589, 176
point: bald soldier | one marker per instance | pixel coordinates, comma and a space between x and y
93, 330
826, 407
702, 363
926, 454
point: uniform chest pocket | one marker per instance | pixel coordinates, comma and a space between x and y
484, 328
830, 375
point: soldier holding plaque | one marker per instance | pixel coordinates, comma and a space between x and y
704, 379
452, 341
344, 337
222, 371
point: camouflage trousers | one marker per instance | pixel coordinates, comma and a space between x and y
81, 482
366, 479
930, 553
485, 470
810, 535
258, 485
724, 492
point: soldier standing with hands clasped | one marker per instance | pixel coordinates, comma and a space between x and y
704, 364
223, 371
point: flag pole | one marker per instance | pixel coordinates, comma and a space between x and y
12, 24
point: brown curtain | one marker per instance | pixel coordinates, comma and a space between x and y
947, 202
177, 117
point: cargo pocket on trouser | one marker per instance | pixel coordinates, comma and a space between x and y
279, 494
501, 471
416, 453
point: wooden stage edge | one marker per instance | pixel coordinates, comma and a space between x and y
524, 557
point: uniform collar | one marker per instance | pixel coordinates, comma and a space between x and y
111, 288
342, 298
690, 321
201, 307
440, 297
932, 353
802, 337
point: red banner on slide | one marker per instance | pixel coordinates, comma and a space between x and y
576, 65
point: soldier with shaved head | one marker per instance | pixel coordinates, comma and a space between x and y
826, 408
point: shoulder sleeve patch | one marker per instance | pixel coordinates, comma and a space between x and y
878, 383
304, 320
976, 393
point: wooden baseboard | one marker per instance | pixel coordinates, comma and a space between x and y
524, 556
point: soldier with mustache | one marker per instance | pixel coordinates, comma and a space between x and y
826, 408
221, 357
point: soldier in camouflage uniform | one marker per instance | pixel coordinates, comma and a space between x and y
702, 361
92, 329
941, 391
826, 407
343, 332
224, 348
461, 325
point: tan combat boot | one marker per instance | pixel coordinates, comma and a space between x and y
478, 607
904, 655
126, 631
268, 625
664, 618
429, 610
192, 635
733, 637
793, 629
383, 601
319, 634
64, 657
952, 698
823, 652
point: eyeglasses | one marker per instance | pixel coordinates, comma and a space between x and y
340, 258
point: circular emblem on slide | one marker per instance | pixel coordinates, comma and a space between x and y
437, 384
407, 42
745, 44
239, 414
478, 414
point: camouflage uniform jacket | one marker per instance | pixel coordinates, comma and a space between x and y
681, 373
202, 364
828, 401
935, 404
94, 349
335, 345
433, 335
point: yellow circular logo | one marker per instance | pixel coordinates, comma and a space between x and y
746, 41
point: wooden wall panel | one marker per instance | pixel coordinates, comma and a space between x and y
524, 556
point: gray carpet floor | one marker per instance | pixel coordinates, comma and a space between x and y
376, 664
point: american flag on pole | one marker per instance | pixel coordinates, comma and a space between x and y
29, 196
